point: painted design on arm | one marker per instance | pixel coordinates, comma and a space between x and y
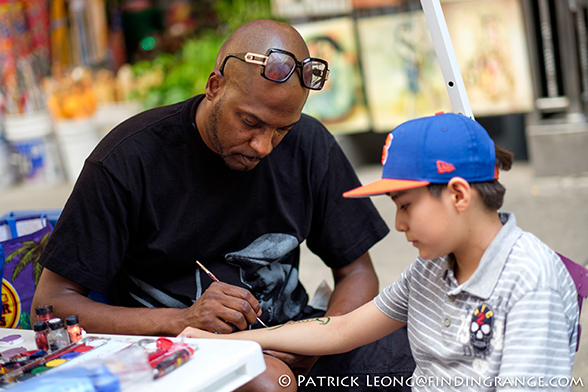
320, 320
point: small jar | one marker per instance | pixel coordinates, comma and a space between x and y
44, 313
40, 328
73, 328
57, 337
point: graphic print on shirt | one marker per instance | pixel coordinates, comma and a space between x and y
481, 327
269, 280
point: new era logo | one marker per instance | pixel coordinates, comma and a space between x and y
444, 167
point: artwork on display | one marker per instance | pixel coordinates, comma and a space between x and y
376, 3
340, 105
401, 73
306, 8
490, 46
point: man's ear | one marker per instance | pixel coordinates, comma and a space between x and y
214, 84
460, 192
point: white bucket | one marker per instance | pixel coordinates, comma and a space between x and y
34, 150
77, 139
110, 114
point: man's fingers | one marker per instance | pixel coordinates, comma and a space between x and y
223, 306
239, 292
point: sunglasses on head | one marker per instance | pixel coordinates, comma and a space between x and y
278, 65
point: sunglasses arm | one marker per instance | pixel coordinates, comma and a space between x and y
254, 58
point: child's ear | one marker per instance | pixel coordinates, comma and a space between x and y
214, 84
460, 192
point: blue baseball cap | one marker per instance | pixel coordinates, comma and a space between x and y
433, 150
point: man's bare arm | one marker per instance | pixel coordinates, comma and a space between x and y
219, 307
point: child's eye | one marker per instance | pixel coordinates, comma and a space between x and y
404, 207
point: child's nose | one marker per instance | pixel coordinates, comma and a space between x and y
400, 224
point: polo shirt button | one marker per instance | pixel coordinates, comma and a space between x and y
451, 298
447, 321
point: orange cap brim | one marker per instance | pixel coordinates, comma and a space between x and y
383, 186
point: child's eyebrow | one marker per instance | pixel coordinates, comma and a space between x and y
396, 195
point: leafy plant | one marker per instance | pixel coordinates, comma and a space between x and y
170, 78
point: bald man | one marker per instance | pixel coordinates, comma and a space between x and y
235, 178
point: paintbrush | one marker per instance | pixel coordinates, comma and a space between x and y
216, 280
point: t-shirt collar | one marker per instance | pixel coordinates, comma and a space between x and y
484, 279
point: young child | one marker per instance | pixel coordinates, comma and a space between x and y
486, 303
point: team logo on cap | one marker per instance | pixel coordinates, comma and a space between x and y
481, 327
386, 148
444, 167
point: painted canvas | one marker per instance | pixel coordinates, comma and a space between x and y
375, 3
340, 105
401, 73
306, 8
490, 45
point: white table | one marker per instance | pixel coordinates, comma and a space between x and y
217, 365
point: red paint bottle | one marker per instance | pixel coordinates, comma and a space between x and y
73, 328
40, 328
44, 313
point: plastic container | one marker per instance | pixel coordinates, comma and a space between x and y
40, 328
73, 328
44, 313
35, 151
76, 139
110, 114
57, 337
8, 170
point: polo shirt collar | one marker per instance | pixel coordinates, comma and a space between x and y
484, 279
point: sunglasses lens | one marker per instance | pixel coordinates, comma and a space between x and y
279, 66
314, 74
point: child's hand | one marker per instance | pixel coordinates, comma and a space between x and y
191, 332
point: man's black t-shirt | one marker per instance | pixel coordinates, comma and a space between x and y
153, 198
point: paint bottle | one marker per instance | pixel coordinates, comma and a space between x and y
40, 328
57, 337
44, 313
73, 328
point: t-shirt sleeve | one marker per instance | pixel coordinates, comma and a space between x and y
342, 229
393, 300
90, 239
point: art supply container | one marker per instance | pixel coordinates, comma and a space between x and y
76, 138
57, 337
73, 328
44, 313
41, 331
34, 149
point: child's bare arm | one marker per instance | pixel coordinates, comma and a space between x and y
318, 336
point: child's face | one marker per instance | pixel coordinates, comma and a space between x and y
426, 220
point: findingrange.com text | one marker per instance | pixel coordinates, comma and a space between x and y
465, 382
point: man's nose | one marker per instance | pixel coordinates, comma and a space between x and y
262, 142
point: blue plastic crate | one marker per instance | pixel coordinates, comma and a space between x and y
52, 214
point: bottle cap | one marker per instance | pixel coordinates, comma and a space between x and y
43, 310
39, 326
72, 320
55, 323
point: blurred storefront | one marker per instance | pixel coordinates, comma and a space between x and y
72, 69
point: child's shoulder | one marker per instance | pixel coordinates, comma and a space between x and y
532, 263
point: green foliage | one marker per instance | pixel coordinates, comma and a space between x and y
234, 13
170, 78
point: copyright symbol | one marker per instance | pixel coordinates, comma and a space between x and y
284, 381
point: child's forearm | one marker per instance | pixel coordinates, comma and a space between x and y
317, 336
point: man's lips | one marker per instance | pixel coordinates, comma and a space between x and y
249, 161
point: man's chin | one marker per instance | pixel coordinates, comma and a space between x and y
240, 162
